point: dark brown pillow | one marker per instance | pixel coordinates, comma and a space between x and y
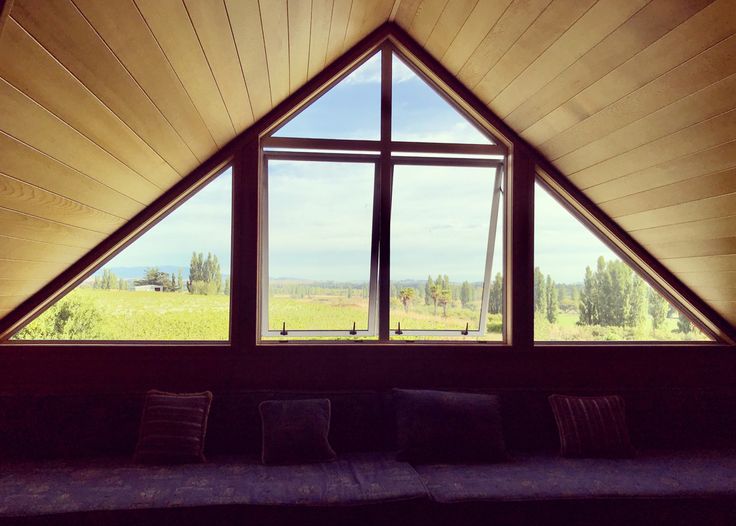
591, 426
296, 431
173, 427
442, 426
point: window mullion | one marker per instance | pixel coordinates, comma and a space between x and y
385, 173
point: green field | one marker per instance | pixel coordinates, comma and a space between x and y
566, 328
128, 315
93, 314
329, 312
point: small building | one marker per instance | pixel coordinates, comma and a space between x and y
149, 288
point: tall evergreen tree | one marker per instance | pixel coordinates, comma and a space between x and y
539, 291
658, 309
428, 290
551, 300
495, 300
465, 293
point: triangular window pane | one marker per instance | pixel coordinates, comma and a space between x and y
584, 292
420, 114
157, 288
349, 110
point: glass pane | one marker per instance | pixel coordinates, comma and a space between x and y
320, 217
440, 221
584, 292
172, 283
349, 110
420, 114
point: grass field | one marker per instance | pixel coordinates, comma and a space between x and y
126, 315
325, 312
566, 328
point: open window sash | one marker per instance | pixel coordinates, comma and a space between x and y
488, 268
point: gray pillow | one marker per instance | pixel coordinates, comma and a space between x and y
296, 431
441, 426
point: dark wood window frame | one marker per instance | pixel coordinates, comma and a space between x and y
524, 165
385, 154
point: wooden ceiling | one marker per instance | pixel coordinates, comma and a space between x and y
105, 105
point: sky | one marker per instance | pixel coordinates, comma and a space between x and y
320, 213
202, 224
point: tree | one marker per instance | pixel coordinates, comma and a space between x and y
495, 300
153, 276
551, 306
179, 280
465, 293
435, 294
205, 276
658, 309
637, 303
405, 296
226, 290
684, 325
443, 299
588, 311
539, 291
67, 319
428, 290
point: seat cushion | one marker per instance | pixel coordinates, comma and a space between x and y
650, 475
28, 489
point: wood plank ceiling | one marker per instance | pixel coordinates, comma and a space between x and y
105, 105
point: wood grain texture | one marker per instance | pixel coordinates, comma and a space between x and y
78, 46
106, 105
212, 25
172, 27
641, 30
125, 32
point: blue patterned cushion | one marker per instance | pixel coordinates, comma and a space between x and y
64, 487
440, 426
661, 474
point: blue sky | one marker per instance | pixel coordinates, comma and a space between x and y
203, 223
320, 213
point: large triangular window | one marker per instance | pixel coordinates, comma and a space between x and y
584, 291
172, 283
382, 214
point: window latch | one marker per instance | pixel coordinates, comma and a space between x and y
353, 332
283, 332
465, 332
398, 329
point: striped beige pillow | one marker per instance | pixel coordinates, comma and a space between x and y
173, 427
591, 426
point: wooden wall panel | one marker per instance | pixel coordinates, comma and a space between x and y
106, 105
62, 29
125, 32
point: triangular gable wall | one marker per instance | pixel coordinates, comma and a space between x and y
450, 87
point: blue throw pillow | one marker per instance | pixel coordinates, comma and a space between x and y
440, 426
296, 431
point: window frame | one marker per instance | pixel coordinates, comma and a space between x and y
589, 223
140, 226
383, 153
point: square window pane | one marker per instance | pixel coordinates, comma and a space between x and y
440, 223
320, 217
